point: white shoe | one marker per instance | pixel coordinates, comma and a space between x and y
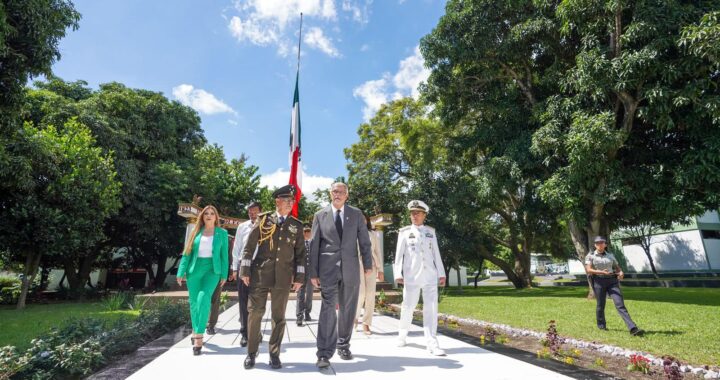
437, 351
401, 342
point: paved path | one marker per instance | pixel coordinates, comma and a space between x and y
376, 356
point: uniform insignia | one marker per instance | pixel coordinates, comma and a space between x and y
427, 234
412, 236
293, 228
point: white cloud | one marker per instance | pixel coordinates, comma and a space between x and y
412, 72
275, 22
310, 183
360, 14
317, 40
364, 47
375, 93
200, 100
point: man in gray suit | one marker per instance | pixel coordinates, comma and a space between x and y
337, 231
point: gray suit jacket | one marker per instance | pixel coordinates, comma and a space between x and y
328, 255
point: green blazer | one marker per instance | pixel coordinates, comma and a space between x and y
219, 254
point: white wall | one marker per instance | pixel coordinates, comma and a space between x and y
452, 280
575, 267
679, 251
712, 247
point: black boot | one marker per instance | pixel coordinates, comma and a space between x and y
250, 361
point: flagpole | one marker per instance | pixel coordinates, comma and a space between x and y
299, 40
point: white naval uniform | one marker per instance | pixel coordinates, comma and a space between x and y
418, 264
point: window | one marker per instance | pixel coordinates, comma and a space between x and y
710, 234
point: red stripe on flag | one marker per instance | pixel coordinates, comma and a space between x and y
293, 180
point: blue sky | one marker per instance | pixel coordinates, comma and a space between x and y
235, 62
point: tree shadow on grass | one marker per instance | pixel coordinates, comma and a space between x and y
687, 296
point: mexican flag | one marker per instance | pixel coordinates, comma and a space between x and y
295, 165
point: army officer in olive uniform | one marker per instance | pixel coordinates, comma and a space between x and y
279, 263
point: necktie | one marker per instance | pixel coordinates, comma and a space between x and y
281, 220
338, 224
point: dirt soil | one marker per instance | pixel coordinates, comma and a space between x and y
611, 367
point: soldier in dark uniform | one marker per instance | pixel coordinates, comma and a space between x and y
278, 266
303, 307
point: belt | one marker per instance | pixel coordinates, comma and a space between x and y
598, 276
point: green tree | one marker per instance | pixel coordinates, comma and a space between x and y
405, 153
71, 191
29, 36
630, 136
493, 63
153, 141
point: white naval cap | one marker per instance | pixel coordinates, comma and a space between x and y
419, 206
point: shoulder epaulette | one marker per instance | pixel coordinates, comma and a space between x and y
432, 228
294, 218
405, 228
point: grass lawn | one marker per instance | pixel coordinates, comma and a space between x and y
682, 322
19, 327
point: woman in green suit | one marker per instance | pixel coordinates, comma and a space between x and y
204, 263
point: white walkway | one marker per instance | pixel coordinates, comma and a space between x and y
375, 357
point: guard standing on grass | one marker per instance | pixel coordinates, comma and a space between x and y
278, 265
606, 275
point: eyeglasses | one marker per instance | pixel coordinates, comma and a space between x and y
339, 192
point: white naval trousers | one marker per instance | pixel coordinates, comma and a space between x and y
411, 295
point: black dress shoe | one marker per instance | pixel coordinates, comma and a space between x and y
602, 328
308, 318
210, 330
345, 354
299, 322
637, 332
243, 341
249, 361
275, 362
196, 350
323, 362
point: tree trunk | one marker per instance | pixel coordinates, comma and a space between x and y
522, 267
78, 274
479, 273
652, 263
460, 289
32, 263
517, 281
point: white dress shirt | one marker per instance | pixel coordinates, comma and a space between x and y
342, 214
241, 238
206, 246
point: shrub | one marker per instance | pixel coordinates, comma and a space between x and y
81, 346
671, 367
381, 298
120, 301
9, 290
639, 363
552, 340
544, 353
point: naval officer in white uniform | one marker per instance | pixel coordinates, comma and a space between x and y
418, 267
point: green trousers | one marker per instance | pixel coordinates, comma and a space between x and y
201, 285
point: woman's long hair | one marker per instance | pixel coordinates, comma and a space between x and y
200, 224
